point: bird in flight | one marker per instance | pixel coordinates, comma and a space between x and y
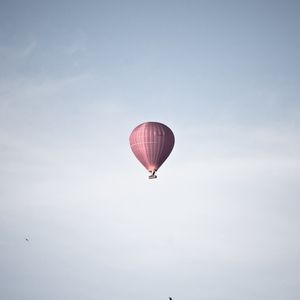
170, 298
26, 239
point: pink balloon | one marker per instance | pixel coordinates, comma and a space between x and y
152, 143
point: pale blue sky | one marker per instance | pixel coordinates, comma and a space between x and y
222, 219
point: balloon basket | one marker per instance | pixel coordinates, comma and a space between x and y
152, 176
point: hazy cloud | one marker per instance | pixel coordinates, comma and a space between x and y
222, 219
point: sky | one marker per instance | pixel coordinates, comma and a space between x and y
222, 219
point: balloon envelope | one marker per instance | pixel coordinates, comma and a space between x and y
152, 143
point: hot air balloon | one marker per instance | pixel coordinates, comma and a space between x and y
152, 143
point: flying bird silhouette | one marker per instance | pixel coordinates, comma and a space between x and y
170, 298
27, 239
